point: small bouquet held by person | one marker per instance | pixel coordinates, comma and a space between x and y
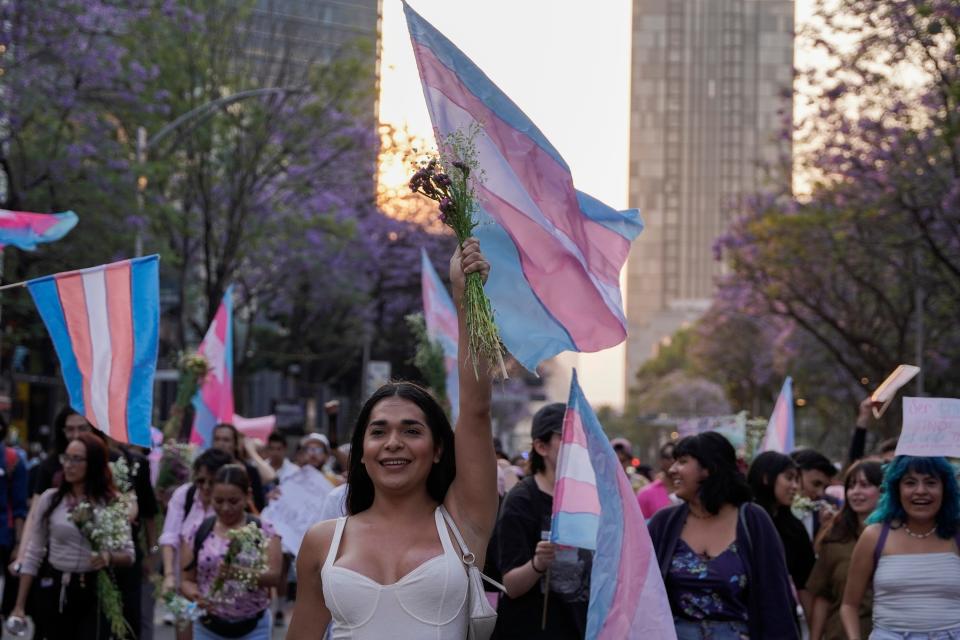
185, 612
107, 528
243, 564
451, 179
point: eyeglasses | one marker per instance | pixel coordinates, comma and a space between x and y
68, 459
315, 450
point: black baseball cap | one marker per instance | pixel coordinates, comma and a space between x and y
547, 421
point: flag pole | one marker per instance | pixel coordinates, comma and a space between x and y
14, 285
546, 598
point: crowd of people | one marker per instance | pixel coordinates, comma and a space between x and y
786, 547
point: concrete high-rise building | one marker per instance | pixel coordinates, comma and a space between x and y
710, 92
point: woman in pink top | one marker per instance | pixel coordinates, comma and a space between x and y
655, 496
189, 505
236, 610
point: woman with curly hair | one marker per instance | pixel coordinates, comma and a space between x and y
910, 552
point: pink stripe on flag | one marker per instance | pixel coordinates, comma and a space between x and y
74, 303
577, 496
565, 298
574, 435
120, 314
548, 183
634, 567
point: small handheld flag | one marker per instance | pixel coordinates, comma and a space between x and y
25, 230
779, 435
213, 403
104, 323
594, 507
441, 319
557, 252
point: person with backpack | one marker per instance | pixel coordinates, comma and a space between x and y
234, 608
909, 554
189, 506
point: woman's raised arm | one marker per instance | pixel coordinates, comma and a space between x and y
472, 499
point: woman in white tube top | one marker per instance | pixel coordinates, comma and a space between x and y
391, 568
911, 554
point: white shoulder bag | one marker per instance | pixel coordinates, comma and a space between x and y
483, 617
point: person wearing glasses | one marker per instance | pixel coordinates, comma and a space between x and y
67, 594
189, 506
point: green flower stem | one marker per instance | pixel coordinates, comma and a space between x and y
484, 339
108, 595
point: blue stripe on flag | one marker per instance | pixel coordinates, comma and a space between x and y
606, 561
525, 324
626, 223
145, 300
228, 343
576, 529
47, 299
203, 421
476, 81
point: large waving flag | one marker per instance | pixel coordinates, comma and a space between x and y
104, 323
556, 252
779, 435
25, 230
594, 508
441, 319
213, 403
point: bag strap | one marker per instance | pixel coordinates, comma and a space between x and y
468, 558
203, 531
881, 542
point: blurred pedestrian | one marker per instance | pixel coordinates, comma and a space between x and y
656, 495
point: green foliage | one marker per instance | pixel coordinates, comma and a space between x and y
429, 358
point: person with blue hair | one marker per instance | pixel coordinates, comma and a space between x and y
910, 551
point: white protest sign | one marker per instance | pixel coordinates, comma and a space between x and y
931, 427
299, 506
887, 390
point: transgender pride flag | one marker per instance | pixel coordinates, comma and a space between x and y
25, 230
556, 252
104, 323
780, 431
594, 508
441, 319
213, 403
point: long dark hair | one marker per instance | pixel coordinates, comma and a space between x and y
724, 483
360, 489
60, 441
845, 526
237, 453
762, 477
98, 480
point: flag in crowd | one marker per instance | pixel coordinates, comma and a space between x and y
549, 243
26, 230
104, 324
441, 319
594, 507
779, 435
213, 403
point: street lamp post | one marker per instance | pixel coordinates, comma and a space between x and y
191, 118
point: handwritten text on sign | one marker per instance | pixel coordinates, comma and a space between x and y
931, 427
298, 507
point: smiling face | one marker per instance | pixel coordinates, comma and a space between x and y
229, 501
398, 447
785, 487
75, 462
861, 495
921, 495
687, 474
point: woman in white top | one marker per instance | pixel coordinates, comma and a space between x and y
910, 551
389, 570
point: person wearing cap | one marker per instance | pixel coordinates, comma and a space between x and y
316, 449
524, 555
624, 451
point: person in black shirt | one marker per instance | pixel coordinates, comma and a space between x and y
524, 556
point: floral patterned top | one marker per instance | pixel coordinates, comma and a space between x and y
235, 601
703, 588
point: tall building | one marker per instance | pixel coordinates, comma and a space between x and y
711, 85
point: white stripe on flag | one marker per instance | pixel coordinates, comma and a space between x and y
95, 291
575, 463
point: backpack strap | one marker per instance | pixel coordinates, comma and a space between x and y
203, 532
881, 541
188, 502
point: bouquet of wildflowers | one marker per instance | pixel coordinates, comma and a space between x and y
193, 368
175, 463
243, 564
185, 612
451, 180
107, 528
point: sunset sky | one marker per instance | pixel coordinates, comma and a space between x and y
567, 66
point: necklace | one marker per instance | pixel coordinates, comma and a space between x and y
696, 515
919, 535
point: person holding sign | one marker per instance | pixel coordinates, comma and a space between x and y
910, 553
391, 568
